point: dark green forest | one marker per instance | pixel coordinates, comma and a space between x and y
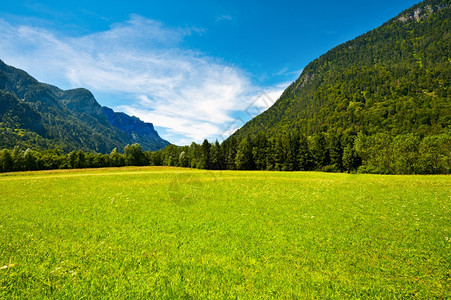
332, 152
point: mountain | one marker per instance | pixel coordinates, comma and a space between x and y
393, 79
42, 116
136, 130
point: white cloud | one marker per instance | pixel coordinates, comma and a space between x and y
189, 94
223, 18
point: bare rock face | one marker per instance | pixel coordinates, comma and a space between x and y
421, 13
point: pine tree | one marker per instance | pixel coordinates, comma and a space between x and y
335, 151
304, 156
205, 159
320, 152
259, 151
292, 159
231, 157
244, 159
6, 160
217, 161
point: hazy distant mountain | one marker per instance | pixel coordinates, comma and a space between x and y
42, 116
136, 130
395, 78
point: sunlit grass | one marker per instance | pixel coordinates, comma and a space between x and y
168, 232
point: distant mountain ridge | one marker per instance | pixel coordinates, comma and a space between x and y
42, 116
395, 79
136, 130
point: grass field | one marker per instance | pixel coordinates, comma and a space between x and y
180, 233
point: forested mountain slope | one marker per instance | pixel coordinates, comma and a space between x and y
41, 116
393, 79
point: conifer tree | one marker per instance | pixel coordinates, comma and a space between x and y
244, 159
320, 152
304, 156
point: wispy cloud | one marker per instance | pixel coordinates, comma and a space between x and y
188, 93
223, 18
286, 72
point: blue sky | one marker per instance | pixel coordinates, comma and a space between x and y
195, 69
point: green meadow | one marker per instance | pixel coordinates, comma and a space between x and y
181, 233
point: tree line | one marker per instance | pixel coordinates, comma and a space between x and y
380, 153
